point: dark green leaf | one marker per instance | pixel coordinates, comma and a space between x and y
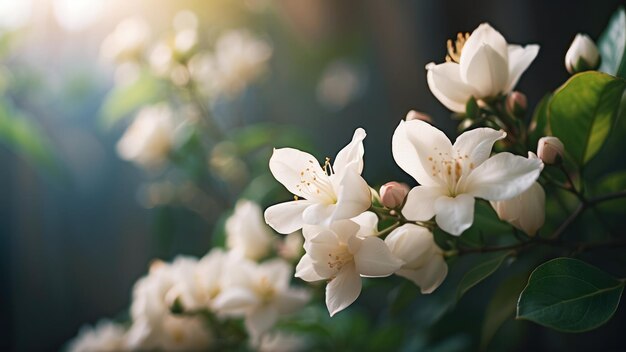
480, 272
471, 108
539, 122
612, 45
569, 295
582, 112
501, 306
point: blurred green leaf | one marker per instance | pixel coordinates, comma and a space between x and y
123, 100
25, 138
480, 272
569, 295
612, 183
486, 224
501, 306
539, 121
612, 45
582, 112
471, 109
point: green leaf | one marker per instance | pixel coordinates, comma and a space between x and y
612, 45
479, 273
123, 100
569, 295
501, 306
539, 122
582, 112
471, 108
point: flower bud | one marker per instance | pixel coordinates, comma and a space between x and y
392, 194
416, 115
516, 104
582, 55
550, 150
525, 211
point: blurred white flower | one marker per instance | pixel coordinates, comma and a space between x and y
260, 293
15, 14
239, 59
337, 254
185, 40
246, 232
149, 138
185, 19
482, 65
451, 176
340, 84
76, 15
290, 248
161, 59
154, 326
105, 336
128, 40
582, 55
281, 342
424, 262
332, 193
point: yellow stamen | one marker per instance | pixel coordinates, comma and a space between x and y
454, 51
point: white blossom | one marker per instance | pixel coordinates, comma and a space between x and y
335, 192
451, 176
485, 67
128, 40
149, 138
582, 55
337, 254
550, 149
105, 336
424, 262
246, 232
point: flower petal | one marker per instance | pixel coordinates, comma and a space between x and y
287, 164
519, 60
318, 214
286, 217
429, 276
305, 271
261, 320
420, 202
235, 300
444, 81
503, 176
368, 224
487, 72
477, 144
289, 301
344, 229
410, 243
343, 290
484, 34
455, 215
351, 154
423, 139
534, 202
353, 196
373, 258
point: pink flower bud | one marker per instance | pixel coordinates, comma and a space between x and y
550, 150
516, 104
392, 194
416, 115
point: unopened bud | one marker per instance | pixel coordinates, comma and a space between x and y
392, 194
582, 55
550, 150
416, 115
516, 104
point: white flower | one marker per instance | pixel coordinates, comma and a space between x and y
281, 342
550, 149
261, 293
337, 254
582, 55
451, 176
424, 262
339, 194
485, 67
127, 41
148, 140
106, 336
239, 59
526, 211
247, 233
291, 246
154, 326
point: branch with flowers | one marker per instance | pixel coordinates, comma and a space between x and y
530, 194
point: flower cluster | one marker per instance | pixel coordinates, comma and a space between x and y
184, 305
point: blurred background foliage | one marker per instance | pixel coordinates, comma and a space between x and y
76, 231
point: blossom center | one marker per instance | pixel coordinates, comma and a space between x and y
454, 50
339, 257
449, 168
265, 289
315, 185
